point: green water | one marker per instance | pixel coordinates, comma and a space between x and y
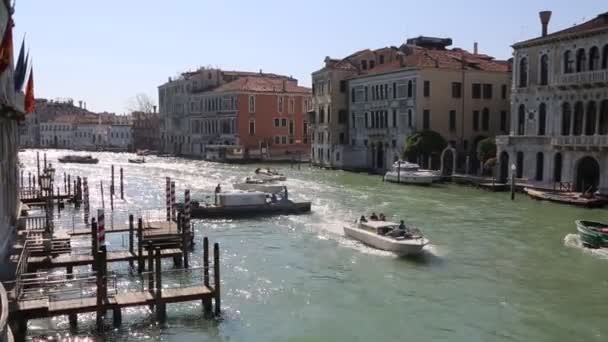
496, 270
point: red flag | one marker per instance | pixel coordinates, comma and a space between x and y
6, 47
30, 102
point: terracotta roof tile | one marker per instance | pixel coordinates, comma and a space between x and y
262, 84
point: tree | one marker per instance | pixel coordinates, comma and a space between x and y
487, 149
424, 143
141, 103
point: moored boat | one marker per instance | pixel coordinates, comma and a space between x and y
137, 160
388, 236
409, 173
592, 234
268, 175
261, 187
78, 159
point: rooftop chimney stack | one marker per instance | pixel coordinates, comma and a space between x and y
154, 107
80, 104
545, 17
475, 48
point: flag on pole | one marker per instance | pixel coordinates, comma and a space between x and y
6, 47
20, 68
30, 101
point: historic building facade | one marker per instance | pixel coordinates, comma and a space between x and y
421, 85
146, 130
223, 115
559, 131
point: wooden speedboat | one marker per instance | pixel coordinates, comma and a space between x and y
408, 173
78, 159
592, 234
137, 160
572, 198
387, 236
268, 175
246, 204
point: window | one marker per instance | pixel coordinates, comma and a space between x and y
342, 116
519, 170
352, 116
542, 118
410, 88
394, 143
305, 131
544, 70
328, 113
426, 119
540, 158
521, 120
452, 121
503, 121
487, 91
503, 91
364, 65
283, 122
476, 90
557, 167
280, 101
394, 90
337, 156
292, 105
277, 122
476, 120
605, 57
372, 64
291, 140
366, 120
381, 61
251, 103
341, 138
352, 95
394, 118
410, 124
485, 119
252, 127
321, 115
277, 140
566, 118
342, 86
291, 127
579, 110
568, 62
284, 140
581, 60
456, 90
523, 73
594, 58
427, 88
365, 93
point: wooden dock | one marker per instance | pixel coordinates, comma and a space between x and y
166, 226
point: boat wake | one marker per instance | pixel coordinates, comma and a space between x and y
573, 241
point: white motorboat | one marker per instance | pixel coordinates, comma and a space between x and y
261, 187
268, 175
387, 236
409, 173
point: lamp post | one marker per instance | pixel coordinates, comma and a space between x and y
513, 169
45, 184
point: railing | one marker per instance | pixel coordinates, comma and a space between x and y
563, 186
54, 287
35, 222
580, 78
4, 328
581, 141
21, 268
29, 193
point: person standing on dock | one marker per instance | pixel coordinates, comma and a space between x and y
218, 189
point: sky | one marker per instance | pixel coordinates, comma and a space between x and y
105, 52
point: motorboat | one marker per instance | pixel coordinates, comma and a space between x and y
78, 159
410, 173
261, 187
143, 152
137, 160
388, 236
592, 234
268, 175
236, 204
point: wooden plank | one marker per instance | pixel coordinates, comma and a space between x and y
174, 295
124, 228
64, 260
132, 299
72, 305
29, 305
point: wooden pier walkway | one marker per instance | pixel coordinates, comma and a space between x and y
73, 260
125, 228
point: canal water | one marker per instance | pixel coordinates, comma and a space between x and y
496, 270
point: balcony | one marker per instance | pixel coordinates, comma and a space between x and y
583, 79
510, 140
581, 142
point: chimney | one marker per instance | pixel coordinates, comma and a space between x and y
80, 104
154, 109
545, 16
260, 71
475, 48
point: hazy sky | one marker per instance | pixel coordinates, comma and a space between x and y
106, 51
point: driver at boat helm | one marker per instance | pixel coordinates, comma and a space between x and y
373, 217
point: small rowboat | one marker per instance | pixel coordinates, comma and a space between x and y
592, 234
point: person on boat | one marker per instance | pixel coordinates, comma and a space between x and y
382, 217
286, 195
362, 219
218, 189
257, 170
374, 217
402, 225
273, 198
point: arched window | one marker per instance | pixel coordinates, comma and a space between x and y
581, 60
519, 167
594, 58
544, 70
485, 119
542, 118
540, 160
604, 118
579, 112
590, 117
521, 120
568, 62
523, 72
605, 57
410, 88
566, 118
557, 167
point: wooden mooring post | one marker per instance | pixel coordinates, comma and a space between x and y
122, 188
94, 246
37, 166
131, 238
140, 246
69, 185
101, 288
29, 179
112, 189
103, 204
168, 197
207, 308
161, 307
173, 208
151, 270
216, 277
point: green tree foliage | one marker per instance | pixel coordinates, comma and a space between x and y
487, 149
424, 143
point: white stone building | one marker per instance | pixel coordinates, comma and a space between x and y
559, 126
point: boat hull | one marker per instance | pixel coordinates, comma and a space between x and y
399, 247
289, 208
590, 236
90, 161
409, 178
